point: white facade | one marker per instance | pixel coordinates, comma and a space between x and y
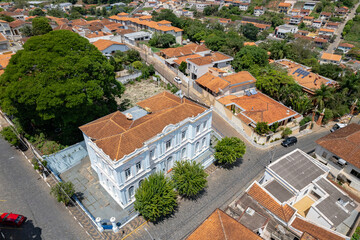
282, 30
5, 28
258, 12
187, 139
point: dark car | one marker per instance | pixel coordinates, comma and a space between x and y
289, 141
12, 219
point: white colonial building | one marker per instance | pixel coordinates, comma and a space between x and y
126, 147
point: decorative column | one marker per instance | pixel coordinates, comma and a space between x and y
99, 226
114, 226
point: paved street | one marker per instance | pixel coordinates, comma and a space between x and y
223, 186
23, 191
338, 32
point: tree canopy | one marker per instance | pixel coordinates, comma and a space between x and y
40, 26
250, 31
189, 178
58, 82
162, 40
229, 149
155, 198
250, 56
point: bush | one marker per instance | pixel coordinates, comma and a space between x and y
9, 135
189, 178
63, 191
155, 198
305, 120
286, 132
262, 128
328, 115
137, 65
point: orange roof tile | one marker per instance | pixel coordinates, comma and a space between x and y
184, 58
261, 108
332, 57
212, 82
326, 30
98, 34
114, 26
2, 37
220, 226
284, 212
249, 44
16, 23
215, 57
284, 4
184, 50
314, 230
346, 45
117, 136
5, 59
103, 44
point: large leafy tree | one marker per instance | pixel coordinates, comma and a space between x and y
63, 191
250, 31
156, 197
37, 12
323, 96
229, 149
58, 81
189, 178
250, 56
40, 26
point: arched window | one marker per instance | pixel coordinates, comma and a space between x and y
131, 192
203, 142
169, 163
183, 153
197, 147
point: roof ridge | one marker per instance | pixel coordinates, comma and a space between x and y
222, 225
118, 148
117, 123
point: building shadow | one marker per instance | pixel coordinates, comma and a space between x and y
26, 231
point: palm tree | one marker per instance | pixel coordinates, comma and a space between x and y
351, 84
323, 96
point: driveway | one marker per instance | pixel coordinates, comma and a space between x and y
24, 192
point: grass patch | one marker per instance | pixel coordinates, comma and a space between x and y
354, 34
147, 9
356, 235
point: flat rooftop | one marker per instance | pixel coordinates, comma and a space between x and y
278, 191
297, 168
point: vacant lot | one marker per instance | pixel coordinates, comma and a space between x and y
354, 34
138, 91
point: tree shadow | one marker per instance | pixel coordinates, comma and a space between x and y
196, 197
26, 231
168, 216
79, 195
237, 163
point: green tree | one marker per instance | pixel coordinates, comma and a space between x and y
40, 26
26, 31
58, 81
63, 191
137, 65
37, 12
250, 31
262, 128
228, 150
155, 198
183, 67
286, 132
9, 135
330, 70
323, 95
55, 12
162, 40
189, 178
6, 18
215, 42
250, 56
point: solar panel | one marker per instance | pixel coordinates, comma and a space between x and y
253, 91
301, 71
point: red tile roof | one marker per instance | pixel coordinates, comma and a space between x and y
284, 212
117, 136
220, 226
103, 44
345, 143
184, 50
214, 57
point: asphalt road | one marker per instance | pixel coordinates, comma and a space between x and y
22, 191
223, 186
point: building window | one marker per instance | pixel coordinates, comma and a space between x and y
138, 166
131, 192
204, 125
127, 174
203, 142
168, 145
183, 153
197, 147
183, 135
355, 173
152, 154
197, 129
324, 154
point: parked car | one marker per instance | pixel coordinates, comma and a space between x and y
289, 141
337, 126
12, 219
177, 79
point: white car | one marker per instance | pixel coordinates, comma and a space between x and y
337, 126
177, 79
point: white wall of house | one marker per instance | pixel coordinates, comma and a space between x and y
185, 140
5, 28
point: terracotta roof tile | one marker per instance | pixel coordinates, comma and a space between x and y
212, 82
284, 212
184, 50
184, 58
220, 226
315, 231
345, 143
98, 34
117, 136
214, 57
332, 57
103, 44
5, 59
284, 4
16, 23
347, 45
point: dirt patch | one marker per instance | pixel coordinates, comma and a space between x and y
139, 91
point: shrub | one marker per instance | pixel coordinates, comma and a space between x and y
286, 132
305, 120
63, 191
10, 136
262, 128
328, 115
228, 150
189, 178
